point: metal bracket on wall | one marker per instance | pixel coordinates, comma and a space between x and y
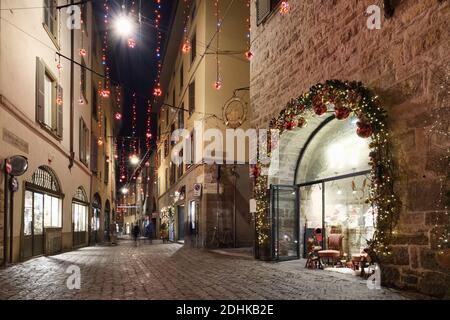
389, 8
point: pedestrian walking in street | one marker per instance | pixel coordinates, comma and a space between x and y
149, 232
136, 232
163, 233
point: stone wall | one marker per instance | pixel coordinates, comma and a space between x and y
405, 63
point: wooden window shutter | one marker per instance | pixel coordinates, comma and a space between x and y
94, 155
59, 111
82, 141
40, 90
86, 141
262, 10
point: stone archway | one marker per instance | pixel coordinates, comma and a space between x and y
306, 113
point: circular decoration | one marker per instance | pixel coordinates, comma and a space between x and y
234, 112
360, 102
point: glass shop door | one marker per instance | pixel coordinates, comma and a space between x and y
285, 222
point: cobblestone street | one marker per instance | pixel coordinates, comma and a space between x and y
170, 271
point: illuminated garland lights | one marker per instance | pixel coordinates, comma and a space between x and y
148, 133
439, 130
345, 98
157, 91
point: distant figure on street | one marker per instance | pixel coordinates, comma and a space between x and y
136, 233
149, 232
163, 233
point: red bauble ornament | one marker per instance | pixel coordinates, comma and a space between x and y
105, 93
118, 116
59, 66
320, 109
342, 113
364, 130
149, 135
83, 52
100, 141
157, 92
300, 108
289, 125
186, 48
218, 85
249, 55
255, 171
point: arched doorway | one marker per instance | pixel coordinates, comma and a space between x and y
94, 225
107, 221
331, 169
80, 212
42, 210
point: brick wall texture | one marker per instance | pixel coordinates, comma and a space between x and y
406, 63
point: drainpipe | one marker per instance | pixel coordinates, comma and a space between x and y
5, 218
72, 94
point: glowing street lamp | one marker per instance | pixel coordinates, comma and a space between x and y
124, 25
134, 160
125, 190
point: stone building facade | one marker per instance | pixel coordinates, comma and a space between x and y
406, 63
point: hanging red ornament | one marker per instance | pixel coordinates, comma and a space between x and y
249, 55
157, 92
131, 43
59, 66
285, 7
83, 52
186, 48
342, 113
100, 141
320, 109
105, 93
218, 85
118, 116
364, 130
255, 171
290, 124
148, 135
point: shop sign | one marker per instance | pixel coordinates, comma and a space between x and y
197, 190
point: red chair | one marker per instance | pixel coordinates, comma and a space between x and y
335, 252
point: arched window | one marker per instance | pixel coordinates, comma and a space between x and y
80, 209
42, 209
332, 174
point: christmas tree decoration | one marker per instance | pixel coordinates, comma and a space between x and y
83, 52
382, 195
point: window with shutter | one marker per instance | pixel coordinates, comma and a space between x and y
193, 47
84, 142
263, 8
191, 98
51, 16
40, 91
94, 154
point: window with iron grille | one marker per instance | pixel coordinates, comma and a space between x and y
181, 117
193, 47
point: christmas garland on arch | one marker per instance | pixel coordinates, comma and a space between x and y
343, 99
